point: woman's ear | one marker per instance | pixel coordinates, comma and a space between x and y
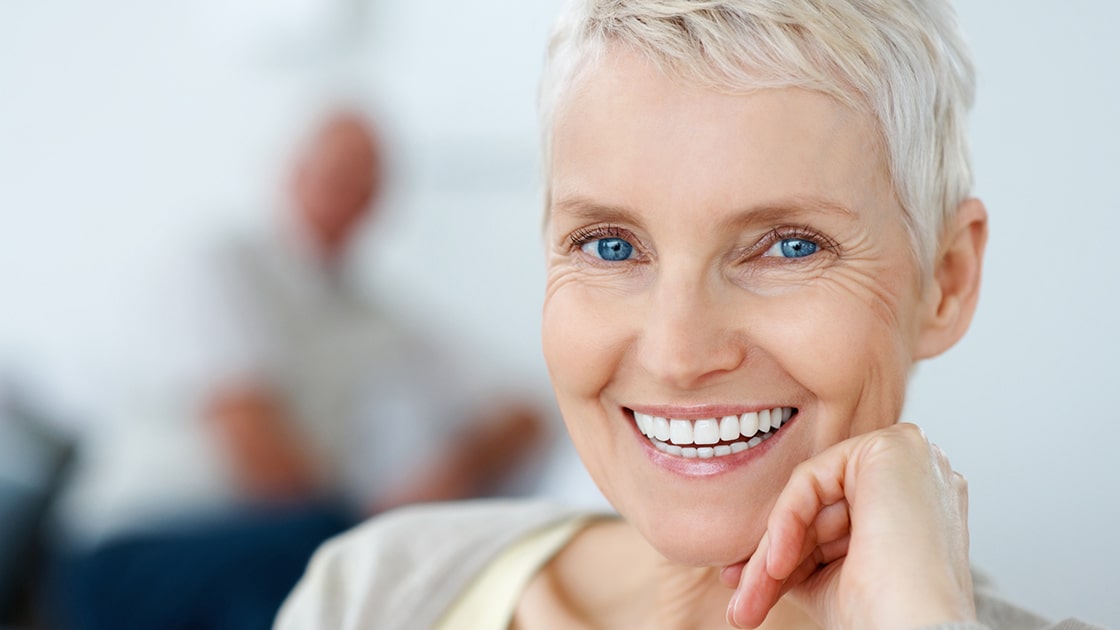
950, 299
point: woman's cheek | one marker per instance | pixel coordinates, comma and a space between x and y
833, 342
580, 331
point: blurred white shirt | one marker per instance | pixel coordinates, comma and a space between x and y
374, 398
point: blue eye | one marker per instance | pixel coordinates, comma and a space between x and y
792, 248
612, 249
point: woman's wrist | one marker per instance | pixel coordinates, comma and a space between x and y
930, 608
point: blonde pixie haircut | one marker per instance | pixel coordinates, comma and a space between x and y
903, 61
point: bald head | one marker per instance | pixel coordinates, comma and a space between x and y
337, 178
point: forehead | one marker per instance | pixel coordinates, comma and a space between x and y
628, 134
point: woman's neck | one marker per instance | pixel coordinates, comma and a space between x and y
609, 577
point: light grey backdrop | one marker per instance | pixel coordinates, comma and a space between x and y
131, 132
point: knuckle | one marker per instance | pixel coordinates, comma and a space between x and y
911, 432
941, 460
960, 480
802, 470
898, 438
937, 452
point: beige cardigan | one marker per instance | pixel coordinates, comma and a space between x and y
405, 569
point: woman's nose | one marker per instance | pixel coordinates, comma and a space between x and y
689, 337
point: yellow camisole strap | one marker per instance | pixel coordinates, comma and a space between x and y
488, 603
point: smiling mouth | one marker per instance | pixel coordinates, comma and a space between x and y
712, 437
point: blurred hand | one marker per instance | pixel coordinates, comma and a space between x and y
871, 533
269, 460
492, 449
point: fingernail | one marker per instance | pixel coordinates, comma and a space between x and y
764, 546
731, 610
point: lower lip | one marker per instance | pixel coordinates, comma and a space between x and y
696, 467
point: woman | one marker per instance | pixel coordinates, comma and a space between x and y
758, 220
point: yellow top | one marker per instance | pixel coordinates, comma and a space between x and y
489, 601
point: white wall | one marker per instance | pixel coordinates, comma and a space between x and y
130, 131
1025, 404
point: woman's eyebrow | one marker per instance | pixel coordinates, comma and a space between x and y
784, 209
585, 209
768, 212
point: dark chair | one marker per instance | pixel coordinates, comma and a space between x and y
33, 464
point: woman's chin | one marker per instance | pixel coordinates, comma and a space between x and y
710, 538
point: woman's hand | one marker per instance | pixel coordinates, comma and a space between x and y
871, 533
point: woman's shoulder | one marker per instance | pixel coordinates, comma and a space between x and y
994, 611
437, 529
403, 568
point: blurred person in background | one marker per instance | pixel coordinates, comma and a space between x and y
325, 379
325, 409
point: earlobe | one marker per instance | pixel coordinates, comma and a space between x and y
951, 298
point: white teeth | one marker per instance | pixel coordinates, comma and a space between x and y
748, 424
712, 430
705, 431
644, 423
729, 428
673, 436
680, 432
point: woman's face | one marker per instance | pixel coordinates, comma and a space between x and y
714, 256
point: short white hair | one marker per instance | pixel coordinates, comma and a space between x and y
902, 61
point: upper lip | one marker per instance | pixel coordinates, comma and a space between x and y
700, 412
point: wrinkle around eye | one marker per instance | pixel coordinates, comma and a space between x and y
866, 276
880, 290
771, 272
851, 255
563, 272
